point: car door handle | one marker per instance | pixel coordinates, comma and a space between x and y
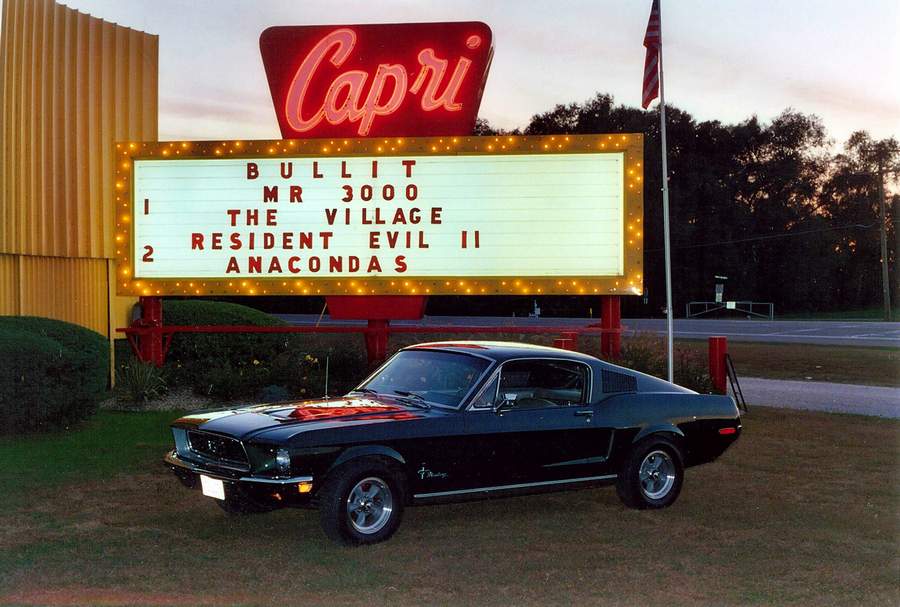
584, 412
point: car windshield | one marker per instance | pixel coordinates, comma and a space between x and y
442, 378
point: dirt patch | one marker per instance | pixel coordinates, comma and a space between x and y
78, 596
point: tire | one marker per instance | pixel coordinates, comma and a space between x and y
361, 502
651, 475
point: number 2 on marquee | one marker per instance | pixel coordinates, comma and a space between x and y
148, 256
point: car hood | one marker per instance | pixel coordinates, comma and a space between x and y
243, 422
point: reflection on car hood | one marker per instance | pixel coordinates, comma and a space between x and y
242, 421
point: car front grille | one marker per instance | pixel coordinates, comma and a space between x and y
217, 448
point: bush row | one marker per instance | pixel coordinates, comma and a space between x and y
244, 365
282, 365
647, 354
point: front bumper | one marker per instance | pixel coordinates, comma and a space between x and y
274, 492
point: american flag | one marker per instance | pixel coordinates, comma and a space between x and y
652, 40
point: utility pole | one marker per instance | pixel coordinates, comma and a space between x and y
885, 277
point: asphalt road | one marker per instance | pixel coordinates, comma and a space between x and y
822, 396
844, 333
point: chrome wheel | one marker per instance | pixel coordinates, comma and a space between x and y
369, 505
657, 475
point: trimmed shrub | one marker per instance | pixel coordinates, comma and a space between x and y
647, 354
237, 365
348, 365
644, 353
53, 373
191, 355
273, 394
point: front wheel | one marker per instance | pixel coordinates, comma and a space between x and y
361, 502
651, 475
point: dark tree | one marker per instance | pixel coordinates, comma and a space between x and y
751, 201
850, 198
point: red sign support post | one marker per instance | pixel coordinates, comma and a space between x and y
611, 323
151, 344
718, 350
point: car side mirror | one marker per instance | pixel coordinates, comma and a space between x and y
506, 403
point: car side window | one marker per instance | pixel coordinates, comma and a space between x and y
485, 398
540, 383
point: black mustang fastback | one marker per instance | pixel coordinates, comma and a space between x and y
450, 421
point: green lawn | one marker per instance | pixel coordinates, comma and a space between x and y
848, 365
802, 511
99, 448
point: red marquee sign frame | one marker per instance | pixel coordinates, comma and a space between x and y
399, 79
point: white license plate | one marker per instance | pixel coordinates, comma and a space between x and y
212, 487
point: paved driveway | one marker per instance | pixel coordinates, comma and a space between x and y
783, 331
822, 396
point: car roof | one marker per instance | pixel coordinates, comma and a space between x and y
502, 350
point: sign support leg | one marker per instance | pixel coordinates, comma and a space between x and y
151, 342
611, 323
376, 340
718, 349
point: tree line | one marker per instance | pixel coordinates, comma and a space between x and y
771, 205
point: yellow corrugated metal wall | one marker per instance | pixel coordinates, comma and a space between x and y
71, 85
34, 279
9, 285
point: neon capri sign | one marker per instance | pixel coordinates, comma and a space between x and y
556, 214
377, 80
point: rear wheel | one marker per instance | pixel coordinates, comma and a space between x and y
651, 475
361, 502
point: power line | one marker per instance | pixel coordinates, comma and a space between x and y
769, 237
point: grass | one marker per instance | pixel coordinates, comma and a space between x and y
802, 511
852, 365
103, 446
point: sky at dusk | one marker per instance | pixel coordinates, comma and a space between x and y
724, 59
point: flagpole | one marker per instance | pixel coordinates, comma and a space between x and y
670, 357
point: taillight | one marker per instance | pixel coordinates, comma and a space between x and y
727, 430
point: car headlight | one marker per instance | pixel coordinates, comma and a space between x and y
283, 461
